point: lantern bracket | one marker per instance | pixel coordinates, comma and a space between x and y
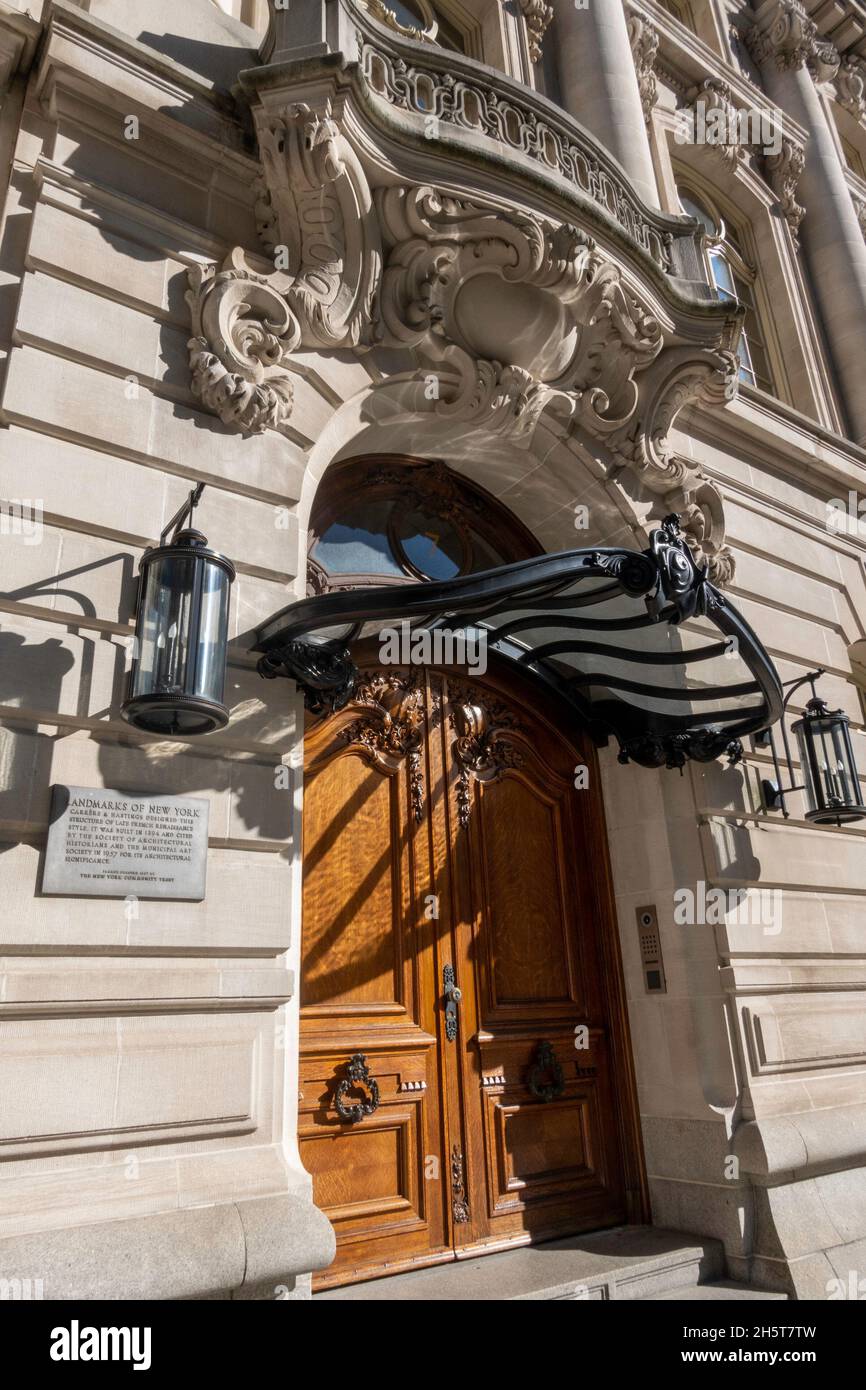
773, 791
182, 515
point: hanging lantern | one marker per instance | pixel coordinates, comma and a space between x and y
830, 779
177, 683
831, 782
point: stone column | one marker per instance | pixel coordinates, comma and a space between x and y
600, 86
794, 60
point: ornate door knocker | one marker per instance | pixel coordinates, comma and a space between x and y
357, 1074
545, 1060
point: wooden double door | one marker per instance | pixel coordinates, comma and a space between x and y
466, 1082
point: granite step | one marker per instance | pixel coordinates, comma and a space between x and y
628, 1262
719, 1291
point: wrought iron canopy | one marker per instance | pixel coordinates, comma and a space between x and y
639, 643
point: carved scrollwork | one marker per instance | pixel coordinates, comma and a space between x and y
460, 277
716, 97
784, 170
674, 750
325, 672
644, 42
480, 750
391, 727
317, 205
459, 1204
243, 333
314, 214
682, 377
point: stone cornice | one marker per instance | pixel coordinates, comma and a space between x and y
19, 36
85, 64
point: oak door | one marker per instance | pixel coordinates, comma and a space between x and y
465, 1081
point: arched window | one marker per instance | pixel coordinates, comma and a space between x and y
390, 520
420, 19
733, 278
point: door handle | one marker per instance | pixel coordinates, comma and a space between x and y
453, 995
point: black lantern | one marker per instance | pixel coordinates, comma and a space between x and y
177, 682
830, 778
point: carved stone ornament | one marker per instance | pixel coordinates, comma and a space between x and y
461, 283
537, 15
784, 170
787, 36
391, 727
851, 86
479, 748
314, 216
681, 377
506, 314
860, 209
644, 42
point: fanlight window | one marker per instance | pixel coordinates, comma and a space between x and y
397, 521
733, 279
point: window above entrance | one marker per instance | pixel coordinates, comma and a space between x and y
398, 521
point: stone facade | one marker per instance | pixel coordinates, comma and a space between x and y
171, 315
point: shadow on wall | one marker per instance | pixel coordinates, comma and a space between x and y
33, 677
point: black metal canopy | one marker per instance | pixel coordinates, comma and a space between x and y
639, 643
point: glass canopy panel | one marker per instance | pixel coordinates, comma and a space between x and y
640, 644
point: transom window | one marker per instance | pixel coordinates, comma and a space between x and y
733, 279
390, 520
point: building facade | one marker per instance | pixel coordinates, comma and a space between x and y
420, 290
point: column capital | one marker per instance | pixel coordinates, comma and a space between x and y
784, 34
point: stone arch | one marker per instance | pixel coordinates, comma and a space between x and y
541, 482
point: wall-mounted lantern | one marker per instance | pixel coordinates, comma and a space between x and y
829, 770
177, 683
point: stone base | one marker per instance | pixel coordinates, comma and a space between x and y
260, 1249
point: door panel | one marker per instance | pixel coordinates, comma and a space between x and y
442, 828
367, 988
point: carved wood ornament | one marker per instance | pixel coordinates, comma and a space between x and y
480, 750
391, 727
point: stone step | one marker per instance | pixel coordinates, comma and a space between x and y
719, 1291
629, 1262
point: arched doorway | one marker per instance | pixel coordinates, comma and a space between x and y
451, 844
